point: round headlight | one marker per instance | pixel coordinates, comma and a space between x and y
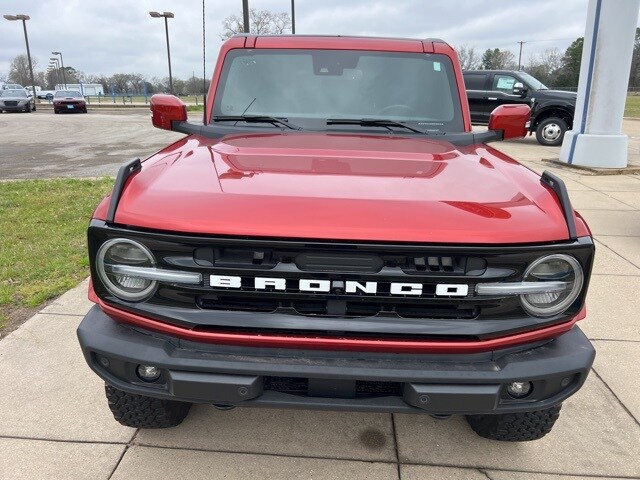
559, 268
122, 251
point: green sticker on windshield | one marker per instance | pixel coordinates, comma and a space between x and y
436, 66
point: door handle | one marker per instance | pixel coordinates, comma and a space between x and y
492, 98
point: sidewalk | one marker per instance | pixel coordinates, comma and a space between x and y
54, 420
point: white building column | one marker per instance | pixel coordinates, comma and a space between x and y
596, 139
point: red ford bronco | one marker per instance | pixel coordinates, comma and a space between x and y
335, 236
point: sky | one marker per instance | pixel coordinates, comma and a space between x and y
119, 36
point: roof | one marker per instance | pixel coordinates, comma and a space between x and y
341, 42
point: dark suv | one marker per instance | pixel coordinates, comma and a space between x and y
551, 110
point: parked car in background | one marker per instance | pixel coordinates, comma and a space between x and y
40, 93
11, 86
46, 94
16, 101
551, 110
69, 101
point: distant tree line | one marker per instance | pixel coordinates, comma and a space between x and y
552, 67
119, 83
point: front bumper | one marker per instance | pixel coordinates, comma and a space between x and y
14, 108
267, 377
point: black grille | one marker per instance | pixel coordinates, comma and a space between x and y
334, 311
339, 308
361, 389
10, 103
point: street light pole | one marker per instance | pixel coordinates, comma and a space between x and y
520, 55
293, 17
56, 63
56, 75
53, 63
245, 15
64, 77
24, 19
166, 16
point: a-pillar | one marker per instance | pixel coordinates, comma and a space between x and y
596, 139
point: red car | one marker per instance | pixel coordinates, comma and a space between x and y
69, 101
335, 236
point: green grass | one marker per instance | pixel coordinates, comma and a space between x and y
43, 249
195, 108
632, 107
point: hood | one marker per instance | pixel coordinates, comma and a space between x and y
342, 187
557, 94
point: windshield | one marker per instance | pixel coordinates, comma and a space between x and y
534, 83
67, 93
14, 93
311, 85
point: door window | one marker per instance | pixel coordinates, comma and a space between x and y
475, 81
504, 83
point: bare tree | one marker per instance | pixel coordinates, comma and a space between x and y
19, 70
261, 22
546, 65
469, 59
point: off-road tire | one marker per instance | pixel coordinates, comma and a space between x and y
139, 411
551, 124
515, 427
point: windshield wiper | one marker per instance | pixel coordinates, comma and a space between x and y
371, 122
256, 119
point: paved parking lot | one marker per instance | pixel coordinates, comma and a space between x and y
41, 144
54, 421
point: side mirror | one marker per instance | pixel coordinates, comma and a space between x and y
166, 109
519, 89
512, 120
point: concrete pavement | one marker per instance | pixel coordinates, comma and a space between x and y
54, 421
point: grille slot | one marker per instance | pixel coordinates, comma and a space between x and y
261, 259
363, 388
238, 304
352, 309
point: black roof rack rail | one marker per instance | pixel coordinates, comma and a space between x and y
124, 172
560, 189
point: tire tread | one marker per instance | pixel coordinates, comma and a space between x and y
515, 427
139, 411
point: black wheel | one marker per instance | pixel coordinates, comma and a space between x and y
515, 427
84, 110
28, 109
550, 131
55, 111
139, 411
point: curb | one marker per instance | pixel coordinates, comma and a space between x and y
629, 170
